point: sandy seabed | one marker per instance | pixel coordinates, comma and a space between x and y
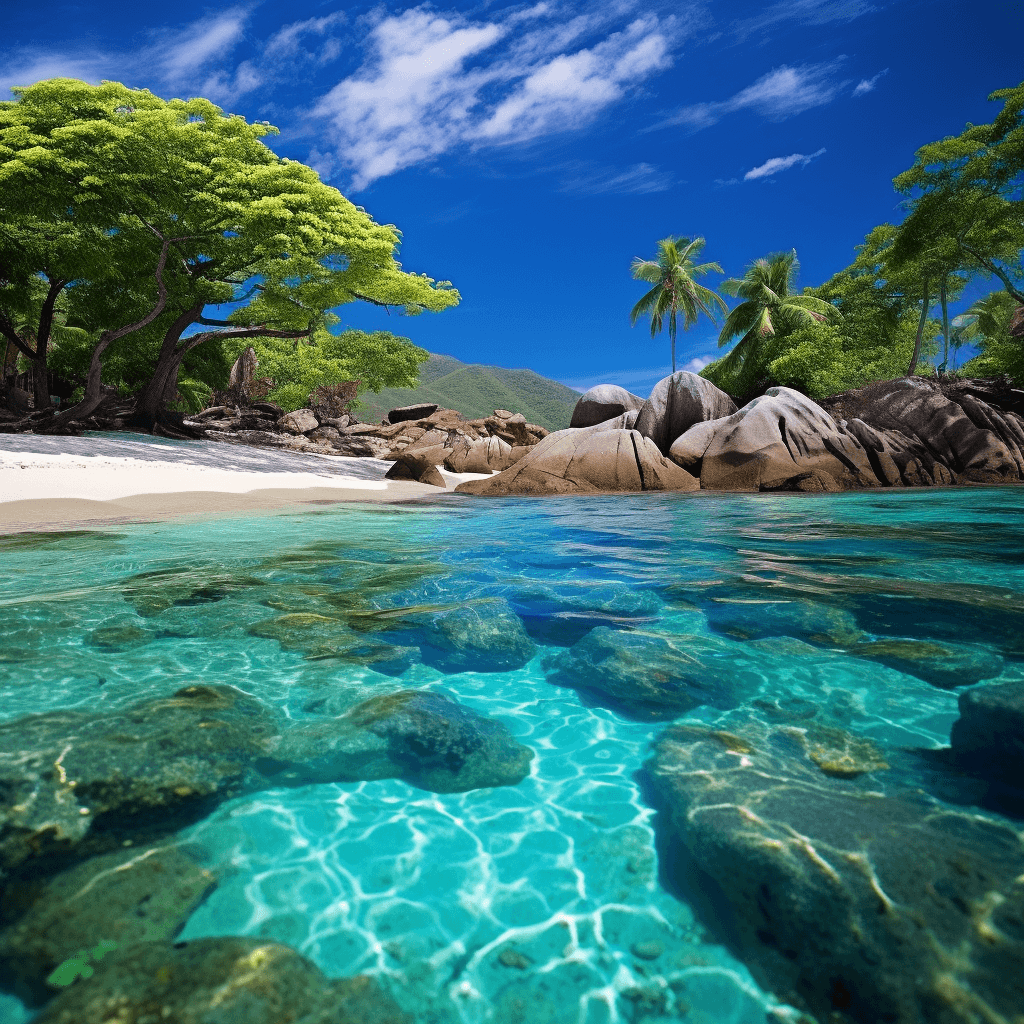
68, 482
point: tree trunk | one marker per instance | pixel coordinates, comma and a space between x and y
920, 330
945, 322
93, 392
151, 400
40, 374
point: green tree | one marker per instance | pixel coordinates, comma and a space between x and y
769, 312
675, 291
988, 324
377, 359
210, 217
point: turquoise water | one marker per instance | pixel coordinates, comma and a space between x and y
427, 891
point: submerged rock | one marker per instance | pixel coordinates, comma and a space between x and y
426, 738
74, 783
989, 734
857, 905
218, 981
677, 403
750, 618
134, 895
652, 675
578, 461
945, 665
151, 593
485, 636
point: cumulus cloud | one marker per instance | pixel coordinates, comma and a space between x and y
781, 93
780, 163
432, 82
697, 363
866, 85
640, 179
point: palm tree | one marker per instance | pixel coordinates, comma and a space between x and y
675, 290
769, 307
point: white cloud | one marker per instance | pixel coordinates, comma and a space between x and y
805, 12
697, 363
781, 93
640, 179
432, 82
287, 42
866, 85
198, 45
780, 163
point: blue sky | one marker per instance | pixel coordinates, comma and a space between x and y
529, 151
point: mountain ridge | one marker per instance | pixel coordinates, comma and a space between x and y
475, 390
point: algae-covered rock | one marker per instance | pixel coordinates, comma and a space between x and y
485, 636
752, 617
943, 664
424, 737
310, 633
857, 905
153, 592
78, 782
652, 675
139, 894
120, 637
218, 981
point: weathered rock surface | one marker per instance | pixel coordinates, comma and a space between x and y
424, 737
298, 422
411, 412
751, 618
652, 675
218, 981
139, 894
990, 730
677, 403
411, 466
780, 440
604, 402
974, 429
572, 461
857, 905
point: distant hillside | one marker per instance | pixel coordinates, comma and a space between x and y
476, 391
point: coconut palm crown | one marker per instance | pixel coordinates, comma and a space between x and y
769, 306
675, 291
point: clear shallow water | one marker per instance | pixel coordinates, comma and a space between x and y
429, 891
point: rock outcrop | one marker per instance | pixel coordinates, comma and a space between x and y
604, 402
576, 461
677, 403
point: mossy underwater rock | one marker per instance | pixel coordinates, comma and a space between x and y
944, 664
139, 894
74, 783
652, 675
424, 737
856, 905
151, 593
485, 636
218, 981
752, 618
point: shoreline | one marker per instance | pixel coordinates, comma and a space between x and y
53, 484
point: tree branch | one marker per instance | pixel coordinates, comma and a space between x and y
993, 269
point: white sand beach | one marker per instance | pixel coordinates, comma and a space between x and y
51, 482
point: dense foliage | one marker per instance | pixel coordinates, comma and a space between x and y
873, 320
130, 219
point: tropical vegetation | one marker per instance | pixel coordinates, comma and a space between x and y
675, 291
135, 230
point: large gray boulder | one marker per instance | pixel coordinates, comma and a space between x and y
781, 440
574, 461
677, 403
604, 402
299, 422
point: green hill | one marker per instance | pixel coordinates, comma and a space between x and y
475, 391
